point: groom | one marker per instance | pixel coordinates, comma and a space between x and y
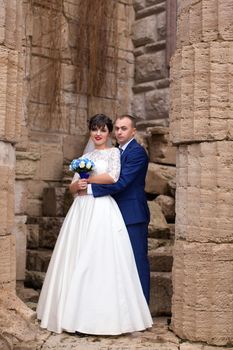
129, 194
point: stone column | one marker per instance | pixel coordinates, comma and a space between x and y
202, 128
14, 315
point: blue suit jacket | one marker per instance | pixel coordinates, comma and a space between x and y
128, 191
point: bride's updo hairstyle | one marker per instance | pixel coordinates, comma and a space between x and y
98, 121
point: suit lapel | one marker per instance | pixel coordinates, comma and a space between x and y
128, 148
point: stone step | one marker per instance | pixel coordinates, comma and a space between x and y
160, 293
158, 226
27, 295
161, 259
38, 260
34, 279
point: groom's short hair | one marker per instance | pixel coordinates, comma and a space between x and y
132, 117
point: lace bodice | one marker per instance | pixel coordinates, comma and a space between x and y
106, 161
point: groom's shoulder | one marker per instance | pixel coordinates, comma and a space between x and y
138, 149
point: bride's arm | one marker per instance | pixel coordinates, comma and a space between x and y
80, 185
113, 171
104, 178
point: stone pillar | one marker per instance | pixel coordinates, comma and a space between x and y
202, 128
14, 315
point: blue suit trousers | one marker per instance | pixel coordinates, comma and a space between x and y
138, 234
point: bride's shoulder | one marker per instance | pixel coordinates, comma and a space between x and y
114, 150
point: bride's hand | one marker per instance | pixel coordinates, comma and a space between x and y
81, 185
78, 185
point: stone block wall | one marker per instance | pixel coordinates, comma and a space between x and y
151, 84
201, 127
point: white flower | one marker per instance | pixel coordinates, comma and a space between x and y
82, 164
88, 165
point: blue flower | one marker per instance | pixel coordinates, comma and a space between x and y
81, 165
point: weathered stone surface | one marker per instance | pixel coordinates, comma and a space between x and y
10, 107
161, 259
144, 31
204, 21
16, 321
26, 165
20, 232
143, 87
49, 228
46, 23
71, 9
38, 260
150, 67
138, 105
203, 195
201, 110
21, 193
161, 26
200, 346
11, 25
154, 243
167, 205
124, 31
50, 164
172, 231
34, 279
56, 201
161, 293
158, 227
34, 207
106, 106
73, 146
145, 124
53, 201
26, 294
160, 148
172, 187
68, 77
157, 338
158, 177
139, 4
204, 112
157, 103
156, 7
7, 162
7, 262
202, 276
32, 236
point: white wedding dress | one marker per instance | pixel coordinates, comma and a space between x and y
92, 285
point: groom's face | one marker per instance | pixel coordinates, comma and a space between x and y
124, 130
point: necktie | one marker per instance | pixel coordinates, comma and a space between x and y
121, 150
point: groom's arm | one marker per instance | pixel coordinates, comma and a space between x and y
137, 161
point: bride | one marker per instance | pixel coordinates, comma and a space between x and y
92, 285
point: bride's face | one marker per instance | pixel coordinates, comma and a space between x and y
100, 136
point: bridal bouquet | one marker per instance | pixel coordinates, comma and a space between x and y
82, 166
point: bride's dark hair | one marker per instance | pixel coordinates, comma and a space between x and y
98, 121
